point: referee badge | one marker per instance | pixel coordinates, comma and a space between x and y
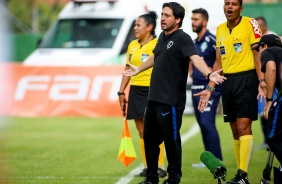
238, 47
222, 50
144, 57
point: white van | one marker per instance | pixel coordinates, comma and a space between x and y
88, 33
97, 32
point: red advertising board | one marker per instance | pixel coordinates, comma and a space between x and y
59, 91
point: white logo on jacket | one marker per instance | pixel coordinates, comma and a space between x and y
169, 44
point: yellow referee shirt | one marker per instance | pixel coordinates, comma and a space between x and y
137, 55
235, 45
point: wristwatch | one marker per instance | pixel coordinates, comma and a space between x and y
268, 99
210, 88
120, 93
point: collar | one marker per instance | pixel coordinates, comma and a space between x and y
203, 38
166, 37
235, 25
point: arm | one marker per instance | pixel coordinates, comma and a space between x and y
216, 65
148, 64
122, 98
262, 85
205, 94
201, 65
270, 78
135, 70
190, 70
258, 65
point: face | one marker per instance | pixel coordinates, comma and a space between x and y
168, 21
262, 26
141, 28
232, 9
262, 48
198, 22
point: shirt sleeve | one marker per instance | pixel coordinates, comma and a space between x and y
217, 44
187, 47
128, 57
254, 31
265, 57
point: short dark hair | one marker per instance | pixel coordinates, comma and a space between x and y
150, 18
262, 19
177, 10
202, 11
240, 2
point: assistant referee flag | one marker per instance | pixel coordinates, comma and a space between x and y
126, 152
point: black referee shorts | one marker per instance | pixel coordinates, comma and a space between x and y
239, 96
137, 101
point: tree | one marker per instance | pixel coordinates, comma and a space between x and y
32, 16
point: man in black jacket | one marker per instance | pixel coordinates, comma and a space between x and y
270, 49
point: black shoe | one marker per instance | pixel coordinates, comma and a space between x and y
240, 178
280, 168
162, 173
263, 181
277, 174
142, 174
166, 182
146, 182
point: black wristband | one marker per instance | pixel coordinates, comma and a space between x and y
268, 99
262, 80
208, 76
120, 93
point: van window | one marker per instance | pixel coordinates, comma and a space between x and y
130, 36
83, 33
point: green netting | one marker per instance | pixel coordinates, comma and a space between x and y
23, 45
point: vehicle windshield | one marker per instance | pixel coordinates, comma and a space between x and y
83, 33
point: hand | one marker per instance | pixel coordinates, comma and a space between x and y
266, 109
261, 91
216, 78
132, 71
122, 102
204, 99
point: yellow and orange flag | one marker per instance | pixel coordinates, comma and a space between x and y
126, 152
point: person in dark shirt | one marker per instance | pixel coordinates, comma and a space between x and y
167, 93
270, 50
138, 51
264, 30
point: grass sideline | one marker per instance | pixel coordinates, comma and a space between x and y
84, 150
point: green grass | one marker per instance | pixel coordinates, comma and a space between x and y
84, 151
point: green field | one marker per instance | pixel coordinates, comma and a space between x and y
84, 151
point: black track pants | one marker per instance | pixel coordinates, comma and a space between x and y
162, 123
